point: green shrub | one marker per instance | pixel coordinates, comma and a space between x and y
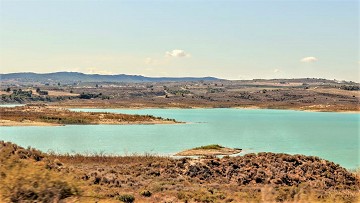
127, 198
145, 193
212, 146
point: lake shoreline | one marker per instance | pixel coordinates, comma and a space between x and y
204, 107
313, 108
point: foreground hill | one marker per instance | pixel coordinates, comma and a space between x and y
71, 77
29, 175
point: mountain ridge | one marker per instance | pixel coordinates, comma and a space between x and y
83, 77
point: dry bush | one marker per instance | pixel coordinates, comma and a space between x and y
24, 177
24, 181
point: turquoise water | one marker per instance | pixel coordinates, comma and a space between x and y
333, 136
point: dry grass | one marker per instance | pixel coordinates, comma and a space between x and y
29, 182
25, 176
101, 158
28, 175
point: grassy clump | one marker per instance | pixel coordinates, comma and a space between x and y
212, 146
127, 198
63, 120
146, 193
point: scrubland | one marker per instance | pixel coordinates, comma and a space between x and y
28, 175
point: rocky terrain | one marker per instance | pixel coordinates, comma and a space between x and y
262, 177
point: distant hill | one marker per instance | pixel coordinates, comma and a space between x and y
69, 77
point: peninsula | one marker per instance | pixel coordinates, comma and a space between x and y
40, 115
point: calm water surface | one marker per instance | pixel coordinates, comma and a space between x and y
333, 136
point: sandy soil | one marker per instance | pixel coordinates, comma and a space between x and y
5, 93
25, 123
336, 91
209, 152
56, 93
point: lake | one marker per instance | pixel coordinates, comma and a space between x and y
332, 136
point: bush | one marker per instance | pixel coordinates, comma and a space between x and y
145, 193
127, 198
24, 181
212, 146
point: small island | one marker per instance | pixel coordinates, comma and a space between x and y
42, 115
209, 150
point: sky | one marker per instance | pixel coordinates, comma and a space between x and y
230, 39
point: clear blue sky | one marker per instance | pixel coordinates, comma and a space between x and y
228, 39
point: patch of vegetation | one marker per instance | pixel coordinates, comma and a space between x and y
178, 92
92, 96
63, 120
127, 198
215, 90
60, 116
212, 146
350, 87
146, 193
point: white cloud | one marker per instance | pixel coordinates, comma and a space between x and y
276, 70
177, 53
309, 59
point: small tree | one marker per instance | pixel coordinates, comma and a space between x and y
38, 90
8, 89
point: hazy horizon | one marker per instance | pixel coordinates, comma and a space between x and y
233, 40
